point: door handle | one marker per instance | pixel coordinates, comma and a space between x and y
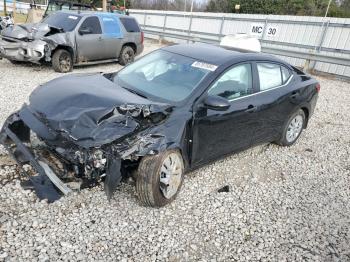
251, 109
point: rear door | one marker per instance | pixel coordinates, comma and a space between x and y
89, 39
112, 36
133, 31
276, 100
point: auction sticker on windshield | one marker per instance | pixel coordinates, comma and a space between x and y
73, 17
205, 66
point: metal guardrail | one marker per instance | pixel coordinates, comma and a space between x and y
308, 56
311, 52
312, 55
219, 36
262, 20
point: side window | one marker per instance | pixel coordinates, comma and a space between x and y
130, 24
111, 25
285, 74
236, 82
92, 23
272, 75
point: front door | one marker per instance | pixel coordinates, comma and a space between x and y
217, 133
90, 44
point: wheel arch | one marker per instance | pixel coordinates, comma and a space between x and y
307, 115
132, 45
67, 48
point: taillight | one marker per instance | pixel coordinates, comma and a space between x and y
142, 37
318, 87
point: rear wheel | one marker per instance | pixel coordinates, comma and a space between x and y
62, 61
293, 128
127, 55
159, 178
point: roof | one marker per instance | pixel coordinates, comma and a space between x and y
217, 55
97, 13
70, 3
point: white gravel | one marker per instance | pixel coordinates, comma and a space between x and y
284, 204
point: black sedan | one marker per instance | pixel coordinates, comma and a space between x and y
170, 112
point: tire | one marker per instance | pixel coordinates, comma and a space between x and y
293, 128
62, 61
151, 192
126, 56
15, 62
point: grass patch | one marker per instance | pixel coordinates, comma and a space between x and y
19, 18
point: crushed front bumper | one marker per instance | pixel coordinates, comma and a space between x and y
18, 50
44, 188
15, 136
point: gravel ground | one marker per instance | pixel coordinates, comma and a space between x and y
284, 204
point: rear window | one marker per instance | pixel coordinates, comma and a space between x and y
130, 24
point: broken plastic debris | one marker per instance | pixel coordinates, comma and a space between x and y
224, 189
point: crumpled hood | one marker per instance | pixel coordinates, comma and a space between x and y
92, 110
26, 31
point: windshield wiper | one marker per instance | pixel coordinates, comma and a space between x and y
134, 92
59, 29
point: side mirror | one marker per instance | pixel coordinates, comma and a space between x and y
85, 31
217, 103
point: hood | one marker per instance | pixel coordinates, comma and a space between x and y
27, 31
91, 110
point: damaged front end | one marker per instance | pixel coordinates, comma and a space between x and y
63, 163
32, 42
17, 50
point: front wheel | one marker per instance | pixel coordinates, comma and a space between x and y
159, 178
62, 61
293, 128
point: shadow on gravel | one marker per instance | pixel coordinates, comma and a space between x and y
46, 65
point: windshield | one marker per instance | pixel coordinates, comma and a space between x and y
164, 75
67, 22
